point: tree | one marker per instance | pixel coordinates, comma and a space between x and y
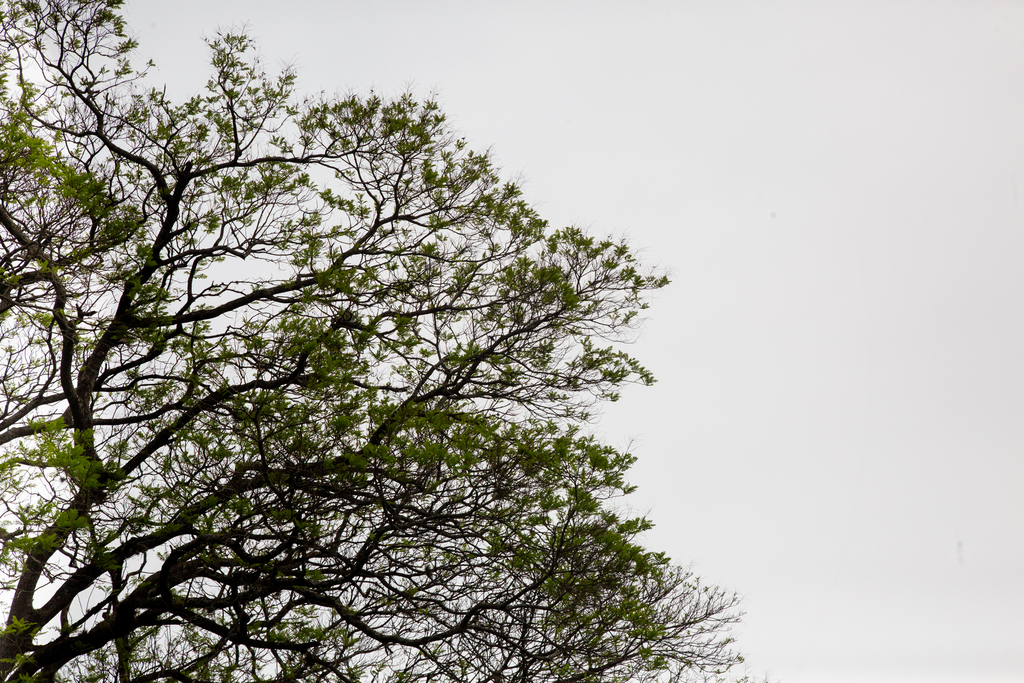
295, 390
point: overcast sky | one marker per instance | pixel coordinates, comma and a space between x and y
838, 191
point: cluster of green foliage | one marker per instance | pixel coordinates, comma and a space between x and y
292, 390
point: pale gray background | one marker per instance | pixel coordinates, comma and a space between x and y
838, 428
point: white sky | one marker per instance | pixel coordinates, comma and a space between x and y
838, 189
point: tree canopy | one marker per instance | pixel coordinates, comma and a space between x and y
296, 389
